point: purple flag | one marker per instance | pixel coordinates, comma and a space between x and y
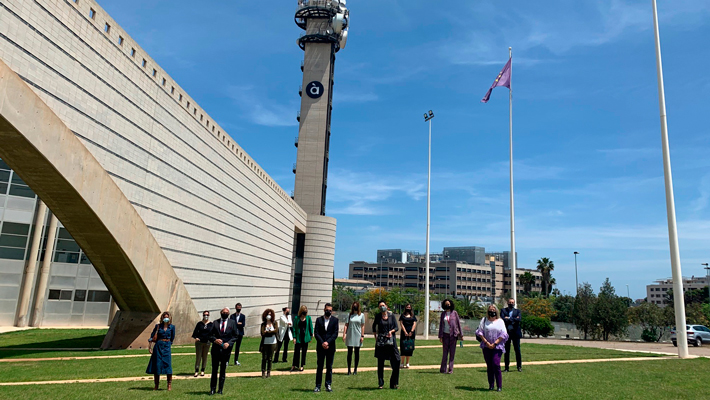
503, 79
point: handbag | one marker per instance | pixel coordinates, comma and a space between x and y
383, 340
408, 344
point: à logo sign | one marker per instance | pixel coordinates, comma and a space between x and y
314, 89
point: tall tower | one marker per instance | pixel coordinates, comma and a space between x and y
326, 31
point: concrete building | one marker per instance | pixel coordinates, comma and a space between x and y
142, 199
487, 282
656, 292
473, 255
358, 285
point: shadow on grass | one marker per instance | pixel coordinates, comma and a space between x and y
143, 388
302, 390
472, 389
93, 343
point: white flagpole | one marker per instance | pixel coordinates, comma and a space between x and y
427, 117
678, 295
512, 259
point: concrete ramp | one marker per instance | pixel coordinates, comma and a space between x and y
67, 177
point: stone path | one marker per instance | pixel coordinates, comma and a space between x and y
335, 370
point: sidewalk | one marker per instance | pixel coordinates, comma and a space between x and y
656, 348
335, 371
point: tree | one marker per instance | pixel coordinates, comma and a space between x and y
536, 326
610, 312
343, 298
583, 311
538, 307
546, 266
527, 280
654, 320
690, 297
564, 308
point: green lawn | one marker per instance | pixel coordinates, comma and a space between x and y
659, 379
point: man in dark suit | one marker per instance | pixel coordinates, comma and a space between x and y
240, 320
222, 336
326, 332
511, 317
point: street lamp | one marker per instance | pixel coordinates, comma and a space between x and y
576, 281
627, 292
427, 118
707, 278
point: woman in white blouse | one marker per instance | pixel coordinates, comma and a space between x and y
352, 334
269, 330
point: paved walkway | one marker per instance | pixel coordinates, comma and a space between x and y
656, 348
335, 370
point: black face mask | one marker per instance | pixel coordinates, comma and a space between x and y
409, 310
328, 313
286, 313
239, 310
224, 315
491, 313
511, 306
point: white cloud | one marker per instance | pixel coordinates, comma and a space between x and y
260, 110
357, 193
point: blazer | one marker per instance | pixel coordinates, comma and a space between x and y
326, 335
307, 334
285, 331
242, 320
513, 323
202, 331
229, 336
454, 325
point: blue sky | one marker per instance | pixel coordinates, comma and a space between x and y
588, 167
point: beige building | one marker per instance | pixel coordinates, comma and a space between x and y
656, 293
119, 191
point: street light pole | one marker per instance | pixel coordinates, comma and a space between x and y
707, 278
627, 292
576, 281
427, 118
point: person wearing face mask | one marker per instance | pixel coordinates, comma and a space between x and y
223, 336
269, 330
408, 323
159, 346
303, 332
240, 320
511, 317
326, 333
201, 334
285, 334
384, 329
449, 333
493, 335
352, 334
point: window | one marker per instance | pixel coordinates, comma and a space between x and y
164, 81
80, 295
180, 98
133, 52
188, 105
172, 89
143, 64
201, 117
107, 28
56, 294
99, 296
13, 240
18, 187
120, 40
154, 72
92, 13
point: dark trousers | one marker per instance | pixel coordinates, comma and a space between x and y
267, 351
302, 348
447, 358
237, 345
278, 348
388, 353
492, 357
516, 345
326, 356
220, 359
350, 357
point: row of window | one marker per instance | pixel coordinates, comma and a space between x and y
13, 240
189, 107
91, 296
12, 184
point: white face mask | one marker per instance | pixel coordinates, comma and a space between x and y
268, 317
166, 320
206, 317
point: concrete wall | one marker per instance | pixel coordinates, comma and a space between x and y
224, 225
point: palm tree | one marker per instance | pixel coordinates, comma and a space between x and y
546, 266
527, 280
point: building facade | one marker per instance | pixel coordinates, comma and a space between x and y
656, 292
149, 200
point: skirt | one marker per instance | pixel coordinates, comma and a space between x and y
160, 361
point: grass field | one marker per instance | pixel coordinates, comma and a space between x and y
661, 378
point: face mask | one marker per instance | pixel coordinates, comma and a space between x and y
356, 308
383, 308
268, 317
328, 313
447, 306
224, 315
510, 306
206, 317
239, 310
166, 320
287, 313
408, 310
491, 313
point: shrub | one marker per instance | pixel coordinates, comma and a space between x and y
649, 334
536, 326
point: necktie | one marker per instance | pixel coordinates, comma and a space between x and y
224, 323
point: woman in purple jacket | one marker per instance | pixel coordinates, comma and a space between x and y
493, 335
449, 333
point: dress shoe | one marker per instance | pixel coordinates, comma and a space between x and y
499, 390
328, 388
316, 390
212, 392
220, 391
520, 369
202, 373
506, 370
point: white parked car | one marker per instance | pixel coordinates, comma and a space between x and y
697, 335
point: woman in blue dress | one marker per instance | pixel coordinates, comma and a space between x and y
160, 353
